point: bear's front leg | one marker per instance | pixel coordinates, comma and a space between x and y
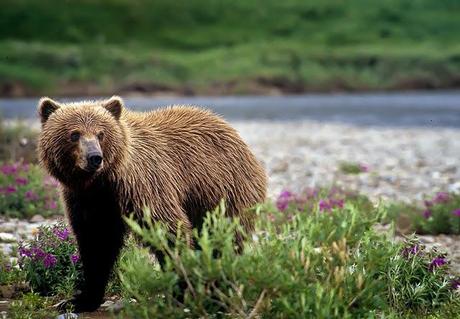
99, 230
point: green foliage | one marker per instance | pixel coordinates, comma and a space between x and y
32, 306
419, 280
50, 261
10, 274
352, 168
319, 264
441, 215
25, 191
208, 45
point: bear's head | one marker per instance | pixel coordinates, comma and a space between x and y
80, 141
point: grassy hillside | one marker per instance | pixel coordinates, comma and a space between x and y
215, 46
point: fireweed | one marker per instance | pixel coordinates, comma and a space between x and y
51, 261
25, 191
419, 280
318, 263
441, 215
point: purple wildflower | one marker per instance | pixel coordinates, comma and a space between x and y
437, 262
49, 261
9, 169
31, 196
427, 214
21, 181
455, 284
62, 234
74, 258
412, 250
10, 189
38, 253
428, 203
456, 212
364, 168
324, 205
283, 200
337, 203
51, 204
24, 252
441, 197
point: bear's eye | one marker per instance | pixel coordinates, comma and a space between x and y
100, 136
75, 136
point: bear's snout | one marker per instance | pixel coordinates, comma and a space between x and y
91, 154
94, 160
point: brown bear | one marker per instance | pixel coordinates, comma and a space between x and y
178, 162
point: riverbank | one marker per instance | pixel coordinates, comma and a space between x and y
220, 48
273, 68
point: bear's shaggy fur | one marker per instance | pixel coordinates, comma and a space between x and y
178, 162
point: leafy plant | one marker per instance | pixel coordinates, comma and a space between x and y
9, 273
32, 306
353, 168
50, 261
419, 280
25, 191
441, 215
319, 263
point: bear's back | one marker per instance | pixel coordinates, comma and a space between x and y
196, 153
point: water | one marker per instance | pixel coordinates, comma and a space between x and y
424, 109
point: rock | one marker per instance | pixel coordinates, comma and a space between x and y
7, 291
7, 238
7, 227
116, 307
69, 315
107, 304
37, 219
7, 249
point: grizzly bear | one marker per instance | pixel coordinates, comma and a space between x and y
179, 162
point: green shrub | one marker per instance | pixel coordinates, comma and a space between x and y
418, 280
319, 264
10, 274
441, 215
50, 261
25, 191
32, 306
353, 168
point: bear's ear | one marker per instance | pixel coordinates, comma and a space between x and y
46, 107
114, 105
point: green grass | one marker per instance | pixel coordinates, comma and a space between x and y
212, 46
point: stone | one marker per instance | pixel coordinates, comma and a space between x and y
69, 315
37, 219
7, 291
7, 238
7, 227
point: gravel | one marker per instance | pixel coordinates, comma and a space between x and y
404, 163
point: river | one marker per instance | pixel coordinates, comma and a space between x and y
398, 109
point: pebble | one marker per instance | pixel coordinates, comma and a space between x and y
7, 238
69, 315
37, 219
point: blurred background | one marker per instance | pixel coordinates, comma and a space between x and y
215, 47
362, 95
